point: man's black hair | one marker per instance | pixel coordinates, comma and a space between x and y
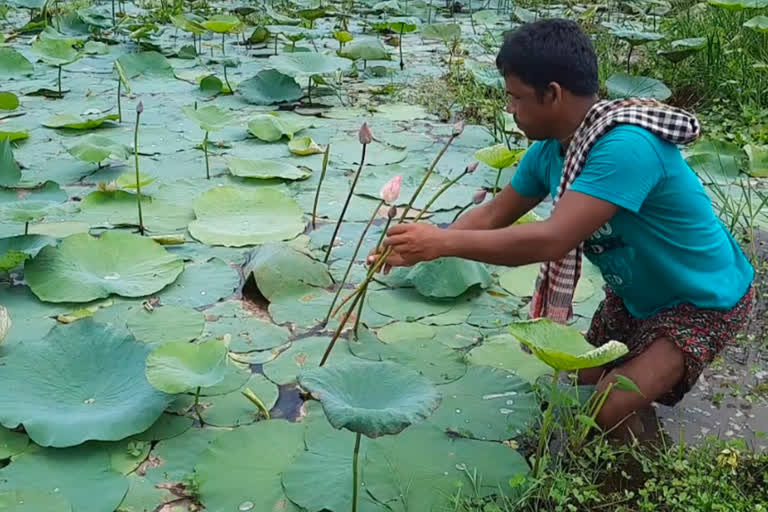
551, 50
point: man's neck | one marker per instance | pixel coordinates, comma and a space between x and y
577, 111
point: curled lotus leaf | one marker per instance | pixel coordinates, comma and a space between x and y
273, 126
499, 156
97, 148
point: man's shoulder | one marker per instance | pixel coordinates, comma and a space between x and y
635, 137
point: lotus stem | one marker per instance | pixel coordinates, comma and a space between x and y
346, 205
320, 184
496, 186
138, 181
223, 51
365, 290
309, 90
438, 194
275, 44
355, 471
546, 424
59, 81
26, 228
113, 14
226, 80
205, 150
250, 395
463, 209
402, 28
197, 407
119, 86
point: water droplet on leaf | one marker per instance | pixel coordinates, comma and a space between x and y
245, 506
114, 276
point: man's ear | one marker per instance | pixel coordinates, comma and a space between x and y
555, 93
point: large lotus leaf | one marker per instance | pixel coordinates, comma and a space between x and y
167, 426
149, 64
402, 24
187, 23
14, 250
84, 381
50, 191
13, 63
248, 332
10, 173
758, 160
237, 217
719, 161
485, 74
243, 467
448, 277
499, 156
406, 304
636, 37
487, 404
371, 49
223, 23
395, 399
56, 52
77, 122
267, 169
11, 134
8, 101
278, 269
96, 148
268, 87
32, 210
446, 32
82, 477
304, 146
179, 367
434, 360
142, 495
422, 468
83, 268
118, 208
738, 5
233, 409
209, 117
12, 443
302, 354
622, 85
681, 49
521, 280
758, 23
32, 500
348, 151
504, 351
562, 347
175, 458
307, 63
273, 126
202, 284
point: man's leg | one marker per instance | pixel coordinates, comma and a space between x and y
656, 371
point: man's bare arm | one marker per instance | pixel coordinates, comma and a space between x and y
501, 211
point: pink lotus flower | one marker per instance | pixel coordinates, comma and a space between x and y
365, 134
472, 167
140, 107
458, 128
479, 196
391, 189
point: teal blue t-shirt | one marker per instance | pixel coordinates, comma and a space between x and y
665, 245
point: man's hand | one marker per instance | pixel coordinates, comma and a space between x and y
410, 244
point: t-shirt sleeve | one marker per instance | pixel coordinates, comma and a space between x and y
622, 168
528, 179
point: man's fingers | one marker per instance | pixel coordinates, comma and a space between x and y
398, 229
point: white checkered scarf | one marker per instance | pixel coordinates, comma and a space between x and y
557, 280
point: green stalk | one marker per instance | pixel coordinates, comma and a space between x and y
320, 184
223, 51
26, 228
438, 194
226, 80
595, 411
346, 205
352, 260
255, 400
498, 178
355, 471
365, 290
113, 14
546, 424
197, 407
59, 81
309, 90
205, 150
119, 109
138, 183
402, 63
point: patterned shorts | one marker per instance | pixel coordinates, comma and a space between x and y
699, 333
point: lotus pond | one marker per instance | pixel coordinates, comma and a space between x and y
187, 199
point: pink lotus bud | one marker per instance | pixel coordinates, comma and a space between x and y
391, 189
472, 167
458, 128
140, 107
365, 134
479, 196
392, 212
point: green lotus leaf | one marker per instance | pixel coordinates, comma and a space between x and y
758, 24
5, 324
13, 63
370, 49
304, 146
268, 87
8, 101
739, 5
179, 367
237, 217
16, 249
76, 122
83, 381
10, 173
312, 14
622, 85
55, 52
403, 24
278, 269
267, 169
149, 64
307, 64
485, 74
681, 49
210, 117
223, 23
118, 208
95, 48
187, 23
211, 85
758, 160
259, 35
83, 268
715, 160
271, 127
562, 347
232, 473
97, 148
504, 351
32, 210
343, 36
397, 397
448, 277
445, 32
249, 333
32, 500
636, 37
499, 156
169, 323
13, 135
128, 180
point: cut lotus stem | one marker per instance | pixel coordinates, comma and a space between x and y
320, 184
205, 150
139, 110
255, 400
355, 476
